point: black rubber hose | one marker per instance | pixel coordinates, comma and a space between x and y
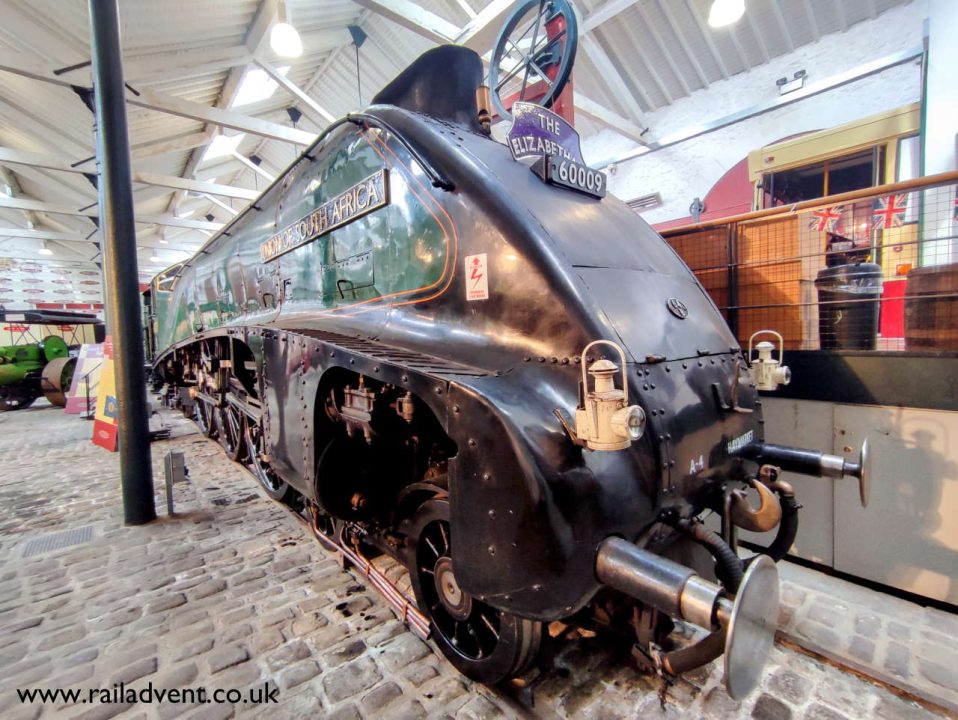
787, 529
693, 656
729, 568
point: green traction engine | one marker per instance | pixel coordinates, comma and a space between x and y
29, 371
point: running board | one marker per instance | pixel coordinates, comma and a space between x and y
401, 605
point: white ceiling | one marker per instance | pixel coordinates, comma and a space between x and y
635, 56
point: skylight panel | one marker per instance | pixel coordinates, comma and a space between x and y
222, 146
256, 86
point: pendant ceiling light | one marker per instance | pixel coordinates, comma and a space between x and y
283, 38
725, 12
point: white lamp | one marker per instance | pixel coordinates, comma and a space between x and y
725, 12
283, 38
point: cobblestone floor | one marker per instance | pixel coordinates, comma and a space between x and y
233, 592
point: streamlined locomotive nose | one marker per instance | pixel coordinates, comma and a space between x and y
742, 627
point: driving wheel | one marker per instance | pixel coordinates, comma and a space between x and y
230, 431
273, 484
203, 414
483, 643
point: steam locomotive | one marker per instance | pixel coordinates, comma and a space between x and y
514, 387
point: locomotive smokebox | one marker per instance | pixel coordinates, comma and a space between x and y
744, 628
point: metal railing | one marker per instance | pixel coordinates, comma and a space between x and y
870, 270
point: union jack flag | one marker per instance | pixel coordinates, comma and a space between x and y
826, 219
889, 211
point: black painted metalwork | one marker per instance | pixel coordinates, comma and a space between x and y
120, 271
381, 392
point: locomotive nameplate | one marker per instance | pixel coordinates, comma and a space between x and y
362, 198
557, 170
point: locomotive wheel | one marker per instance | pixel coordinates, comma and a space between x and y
230, 431
203, 414
483, 643
272, 483
323, 525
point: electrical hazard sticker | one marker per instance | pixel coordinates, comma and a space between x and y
477, 277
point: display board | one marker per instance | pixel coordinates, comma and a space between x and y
105, 421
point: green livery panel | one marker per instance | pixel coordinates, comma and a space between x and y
352, 225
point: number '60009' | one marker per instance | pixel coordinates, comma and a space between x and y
581, 176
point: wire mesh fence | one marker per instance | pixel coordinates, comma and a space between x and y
875, 273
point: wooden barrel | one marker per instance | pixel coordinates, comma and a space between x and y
931, 308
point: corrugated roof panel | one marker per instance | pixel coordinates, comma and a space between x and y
185, 24
670, 43
641, 71
800, 24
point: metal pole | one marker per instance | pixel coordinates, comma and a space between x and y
120, 271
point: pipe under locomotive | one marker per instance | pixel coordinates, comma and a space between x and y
395, 334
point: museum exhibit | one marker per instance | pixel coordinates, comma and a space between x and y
479, 359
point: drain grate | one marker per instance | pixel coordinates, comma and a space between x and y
58, 541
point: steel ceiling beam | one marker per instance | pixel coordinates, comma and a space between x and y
154, 100
600, 113
254, 167
184, 64
58, 209
320, 113
216, 201
176, 143
604, 13
413, 17
161, 102
64, 186
42, 235
481, 31
48, 162
466, 8
9, 156
18, 64
201, 186
610, 75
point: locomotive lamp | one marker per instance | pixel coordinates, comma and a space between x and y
769, 373
606, 421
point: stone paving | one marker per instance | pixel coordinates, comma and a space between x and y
908, 646
233, 592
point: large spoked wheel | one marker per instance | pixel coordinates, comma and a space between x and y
533, 55
483, 643
204, 415
230, 431
272, 483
